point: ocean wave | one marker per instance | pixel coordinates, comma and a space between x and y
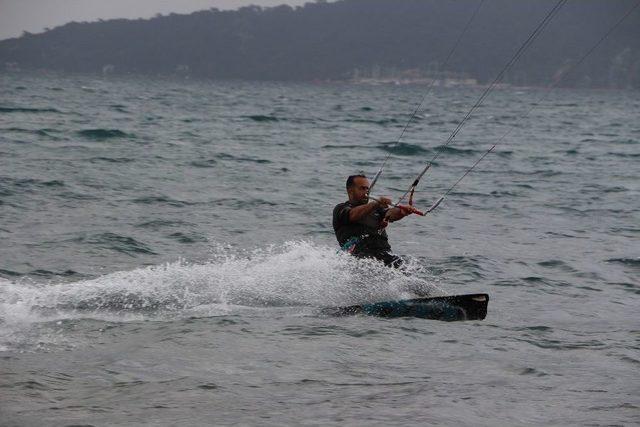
225, 156
557, 265
566, 104
241, 202
407, 149
4, 191
41, 272
73, 195
119, 243
625, 155
381, 122
448, 149
28, 110
9, 273
47, 132
627, 141
626, 286
471, 265
119, 108
591, 140
188, 237
261, 118
403, 148
158, 224
102, 134
10, 186
204, 163
505, 193
345, 146
631, 262
111, 159
149, 200
619, 230
615, 189
541, 172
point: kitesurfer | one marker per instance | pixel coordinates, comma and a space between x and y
360, 222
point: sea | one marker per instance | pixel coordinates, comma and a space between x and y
166, 252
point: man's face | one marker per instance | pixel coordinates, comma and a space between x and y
359, 191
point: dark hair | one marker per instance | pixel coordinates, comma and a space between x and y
352, 178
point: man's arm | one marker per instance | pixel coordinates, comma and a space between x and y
394, 214
361, 211
399, 212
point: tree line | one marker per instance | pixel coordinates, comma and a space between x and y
347, 39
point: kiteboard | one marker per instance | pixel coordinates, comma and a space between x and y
448, 308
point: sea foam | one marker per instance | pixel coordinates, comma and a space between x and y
294, 275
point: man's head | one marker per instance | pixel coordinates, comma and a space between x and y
358, 189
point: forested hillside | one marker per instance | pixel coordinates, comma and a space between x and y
347, 39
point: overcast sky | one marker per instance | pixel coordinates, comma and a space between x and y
34, 16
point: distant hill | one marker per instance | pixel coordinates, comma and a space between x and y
348, 39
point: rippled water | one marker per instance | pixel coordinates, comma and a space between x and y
167, 245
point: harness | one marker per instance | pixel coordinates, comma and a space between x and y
350, 245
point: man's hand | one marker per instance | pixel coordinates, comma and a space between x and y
400, 211
408, 210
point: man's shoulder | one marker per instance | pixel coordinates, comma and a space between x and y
340, 207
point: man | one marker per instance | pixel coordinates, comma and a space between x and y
360, 224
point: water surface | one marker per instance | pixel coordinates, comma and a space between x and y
167, 245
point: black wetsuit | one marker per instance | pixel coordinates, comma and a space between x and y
363, 238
